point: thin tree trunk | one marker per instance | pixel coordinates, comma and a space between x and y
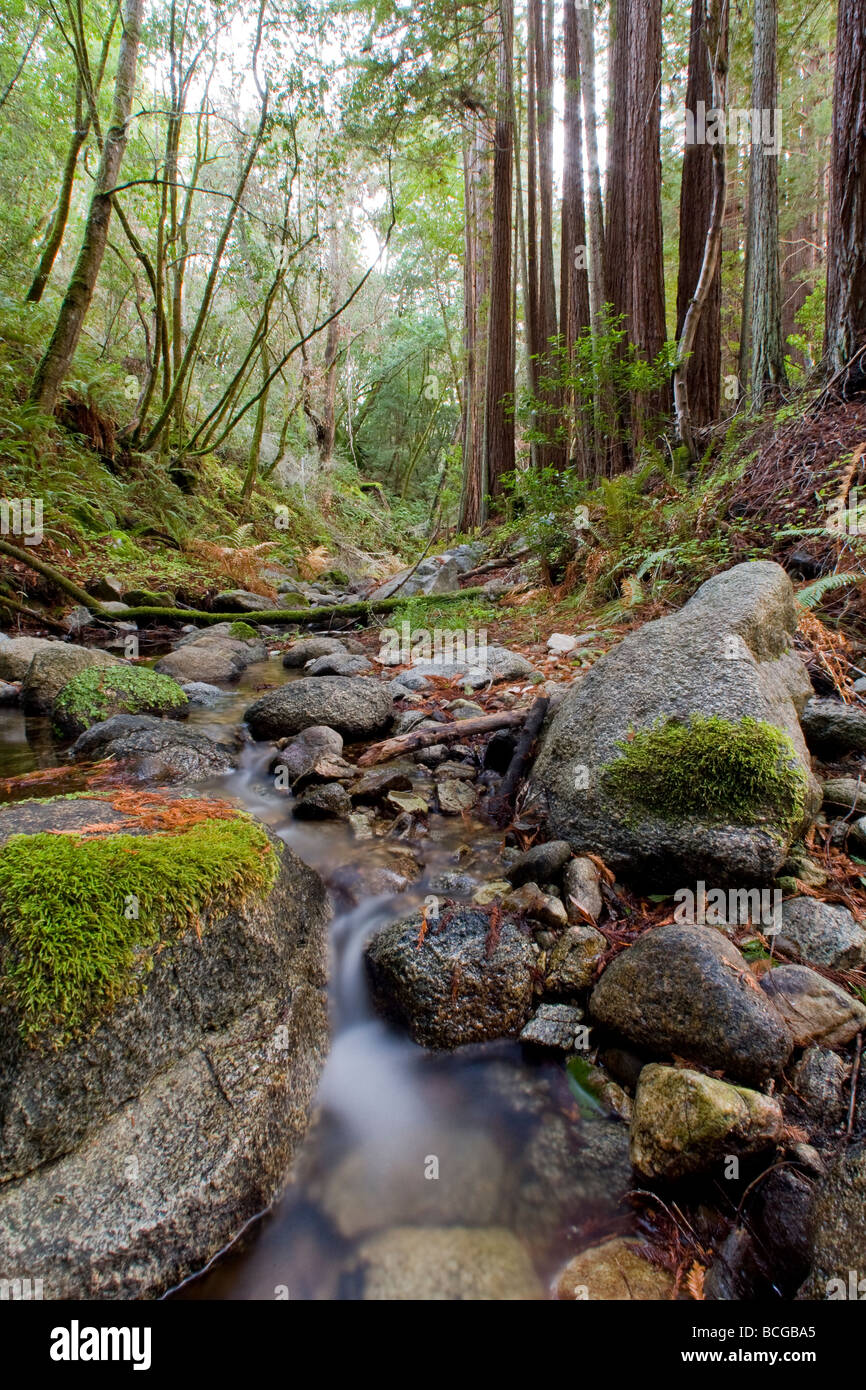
846, 251
764, 294
55, 364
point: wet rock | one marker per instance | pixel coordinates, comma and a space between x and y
553, 1025
838, 1228
736, 634
327, 801
242, 601
530, 901
337, 664
569, 1166
137, 1149
541, 863
413, 803
686, 1122
155, 749
212, 656
310, 648
50, 669
815, 1009
780, 1220
824, 933
467, 982
302, 754
845, 794
99, 693
453, 1264
10, 692
455, 797
355, 706
573, 962
363, 825
581, 884
204, 695
614, 1271
492, 892
832, 726
374, 784
686, 991
819, 1082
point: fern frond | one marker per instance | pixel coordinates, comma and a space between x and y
811, 595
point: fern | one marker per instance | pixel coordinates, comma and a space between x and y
812, 594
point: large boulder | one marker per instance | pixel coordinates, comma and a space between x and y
156, 1070
16, 654
52, 667
464, 979
98, 693
686, 991
156, 750
437, 574
680, 753
355, 706
211, 657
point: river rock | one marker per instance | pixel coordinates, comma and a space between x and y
310, 648
686, 1122
581, 884
465, 983
845, 794
541, 863
155, 749
374, 784
476, 667
825, 933
838, 1229
452, 1264
242, 601
815, 1009
727, 654
615, 1270
455, 797
52, 666
573, 962
686, 991
338, 665
10, 692
833, 726
204, 695
819, 1082
98, 693
16, 654
212, 656
327, 801
130, 1155
356, 706
553, 1025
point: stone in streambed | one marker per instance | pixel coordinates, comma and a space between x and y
581, 889
614, 1271
833, 726
815, 1009
356, 706
451, 1264
16, 654
52, 667
685, 1122
155, 749
686, 991
573, 962
309, 648
468, 980
541, 863
98, 693
838, 1228
825, 933
338, 664
327, 801
554, 1026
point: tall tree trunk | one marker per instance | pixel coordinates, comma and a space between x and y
586, 63
846, 251
55, 364
64, 200
532, 314
499, 411
574, 275
763, 291
476, 295
704, 368
617, 279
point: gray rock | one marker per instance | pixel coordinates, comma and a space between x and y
478, 667
129, 1157
815, 1009
819, 1081
242, 601
204, 695
686, 991
845, 793
108, 589
411, 680
825, 933
77, 619
52, 667
155, 749
831, 725
455, 797
581, 884
10, 693
838, 1228
437, 574
356, 706
727, 653
553, 1025
452, 1264
309, 648
375, 784
205, 663
338, 664
16, 654
685, 1122
540, 864
316, 752
461, 985
327, 801
574, 959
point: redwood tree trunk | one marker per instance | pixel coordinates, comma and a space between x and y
703, 372
499, 413
846, 250
763, 293
55, 364
574, 311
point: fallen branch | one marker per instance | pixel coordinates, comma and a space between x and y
444, 733
49, 572
43, 618
502, 805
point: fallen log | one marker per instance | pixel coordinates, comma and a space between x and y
502, 805
49, 572
444, 733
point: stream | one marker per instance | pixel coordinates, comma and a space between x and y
487, 1136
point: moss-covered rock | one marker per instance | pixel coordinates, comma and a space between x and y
686, 1122
96, 694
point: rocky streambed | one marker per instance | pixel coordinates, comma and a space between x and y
643, 993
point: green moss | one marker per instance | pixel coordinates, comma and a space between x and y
100, 691
84, 917
242, 631
710, 767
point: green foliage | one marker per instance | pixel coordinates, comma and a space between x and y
711, 766
99, 691
242, 631
812, 595
71, 951
427, 614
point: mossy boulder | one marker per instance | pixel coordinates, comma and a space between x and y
163, 1024
53, 666
155, 750
680, 755
97, 693
685, 1122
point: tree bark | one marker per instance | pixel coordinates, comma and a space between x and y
846, 252
499, 412
586, 63
55, 364
763, 291
574, 313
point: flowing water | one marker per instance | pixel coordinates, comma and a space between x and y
488, 1136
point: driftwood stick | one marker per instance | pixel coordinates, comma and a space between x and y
460, 728
503, 804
